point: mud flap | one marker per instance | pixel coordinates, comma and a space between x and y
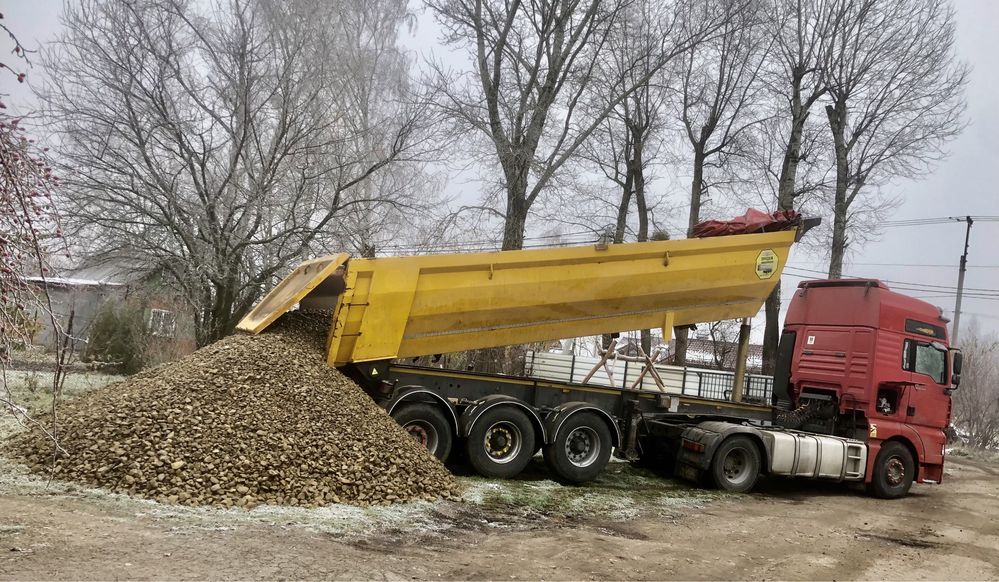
697, 447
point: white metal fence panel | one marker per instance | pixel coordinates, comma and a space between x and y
677, 379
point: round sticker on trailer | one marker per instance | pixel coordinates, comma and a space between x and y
766, 264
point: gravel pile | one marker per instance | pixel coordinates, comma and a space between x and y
244, 421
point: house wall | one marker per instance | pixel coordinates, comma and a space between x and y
82, 303
165, 348
85, 301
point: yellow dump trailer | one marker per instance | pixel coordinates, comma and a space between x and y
387, 309
397, 307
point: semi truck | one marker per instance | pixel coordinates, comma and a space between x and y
861, 391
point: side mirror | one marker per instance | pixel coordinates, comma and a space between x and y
956, 363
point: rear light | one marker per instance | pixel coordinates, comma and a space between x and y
693, 446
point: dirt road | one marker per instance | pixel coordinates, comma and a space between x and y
786, 531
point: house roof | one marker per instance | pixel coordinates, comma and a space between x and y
106, 271
109, 272
73, 282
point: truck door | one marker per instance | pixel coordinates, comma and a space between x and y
926, 403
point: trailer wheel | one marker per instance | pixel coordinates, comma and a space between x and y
428, 426
501, 442
894, 471
736, 464
581, 448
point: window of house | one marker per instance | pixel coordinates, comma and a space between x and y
162, 323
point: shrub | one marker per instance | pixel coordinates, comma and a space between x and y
118, 338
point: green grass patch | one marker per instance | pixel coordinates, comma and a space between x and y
622, 491
33, 390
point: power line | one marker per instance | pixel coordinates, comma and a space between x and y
571, 238
951, 296
985, 315
918, 222
919, 286
589, 236
915, 290
465, 243
935, 220
920, 265
943, 295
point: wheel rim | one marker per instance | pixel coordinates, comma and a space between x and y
424, 433
895, 471
737, 467
582, 446
502, 442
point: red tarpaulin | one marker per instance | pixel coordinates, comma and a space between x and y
752, 221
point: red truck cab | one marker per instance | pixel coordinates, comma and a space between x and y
861, 361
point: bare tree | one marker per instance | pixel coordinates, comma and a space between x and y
719, 87
896, 96
628, 140
29, 233
803, 31
761, 176
218, 145
531, 91
724, 336
976, 401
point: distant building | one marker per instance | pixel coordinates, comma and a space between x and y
81, 294
702, 352
720, 355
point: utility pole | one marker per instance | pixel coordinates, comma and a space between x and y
960, 282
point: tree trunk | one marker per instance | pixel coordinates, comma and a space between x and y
622, 210
839, 240
493, 360
696, 189
639, 184
638, 170
792, 153
785, 201
771, 330
837, 124
516, 221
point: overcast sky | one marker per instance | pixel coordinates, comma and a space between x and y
965, 183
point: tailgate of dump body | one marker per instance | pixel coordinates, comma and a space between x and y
317, 278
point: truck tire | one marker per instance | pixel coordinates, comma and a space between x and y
501, 442
580, 449
427, 424
736, 464
894, 471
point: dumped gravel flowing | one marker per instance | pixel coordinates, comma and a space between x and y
244, 421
